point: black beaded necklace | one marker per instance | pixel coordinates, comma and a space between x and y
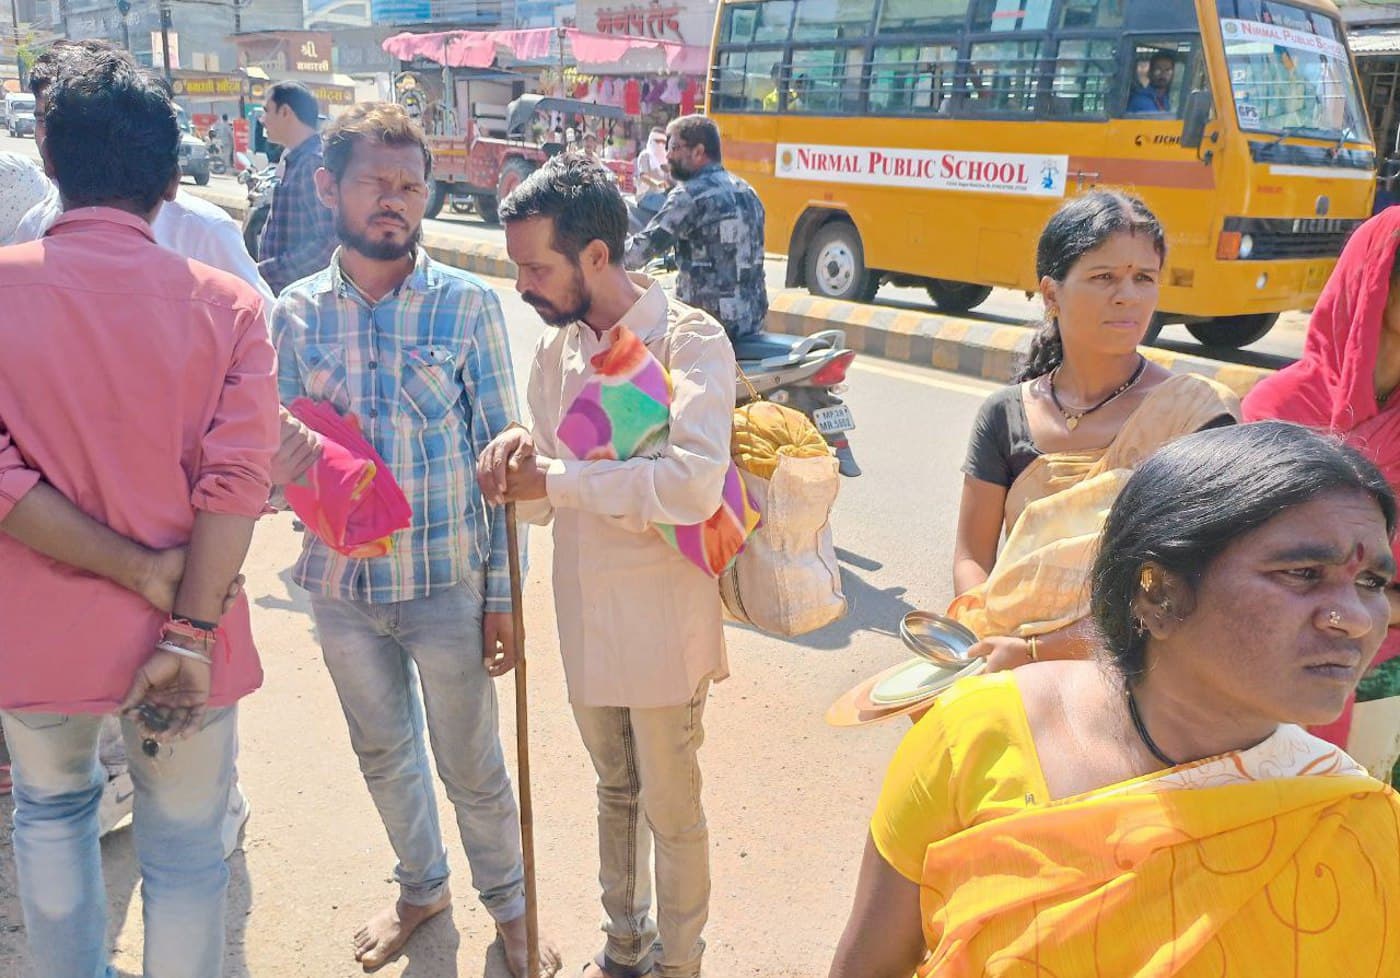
1142, 732
1072, 418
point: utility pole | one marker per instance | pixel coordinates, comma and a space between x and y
165, 36
238, 29
19, 62
124, 8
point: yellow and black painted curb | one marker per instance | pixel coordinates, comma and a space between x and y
972, 347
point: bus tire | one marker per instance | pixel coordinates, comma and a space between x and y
1154, 329
437, 196
486, 208
836, 264
951, 296
1233, 332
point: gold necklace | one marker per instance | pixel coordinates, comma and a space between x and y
1072, 418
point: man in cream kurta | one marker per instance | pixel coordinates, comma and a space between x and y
639, 625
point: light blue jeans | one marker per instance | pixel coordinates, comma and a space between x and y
179, 808
391, 661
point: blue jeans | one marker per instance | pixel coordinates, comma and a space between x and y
179, 808
391, 661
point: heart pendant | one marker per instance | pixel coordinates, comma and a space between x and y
1071, 423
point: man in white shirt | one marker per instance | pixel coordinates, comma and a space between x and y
22, 185
639, 625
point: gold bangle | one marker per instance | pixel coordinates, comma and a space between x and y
1034, 642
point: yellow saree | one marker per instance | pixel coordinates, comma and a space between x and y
1282, 861
1057, 506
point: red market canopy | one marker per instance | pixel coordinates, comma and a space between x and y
478, 49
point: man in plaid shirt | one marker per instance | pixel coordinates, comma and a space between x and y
418, 352
300, 233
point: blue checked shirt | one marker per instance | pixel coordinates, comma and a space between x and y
427, 371
300, 234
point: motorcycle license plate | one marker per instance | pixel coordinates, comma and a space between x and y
831, 420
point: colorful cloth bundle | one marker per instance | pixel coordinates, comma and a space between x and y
349, 497
624, 412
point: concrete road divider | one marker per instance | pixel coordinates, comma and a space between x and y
964, 345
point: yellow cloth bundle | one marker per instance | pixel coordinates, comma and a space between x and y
764, 432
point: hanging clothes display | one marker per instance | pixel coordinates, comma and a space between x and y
688, 90
632, 97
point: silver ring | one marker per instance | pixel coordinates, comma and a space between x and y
1334, 618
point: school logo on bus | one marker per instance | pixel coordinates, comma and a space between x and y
992, 173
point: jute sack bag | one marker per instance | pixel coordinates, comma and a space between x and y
786, 580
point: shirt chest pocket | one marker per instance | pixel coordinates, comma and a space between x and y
428, 383
324, 375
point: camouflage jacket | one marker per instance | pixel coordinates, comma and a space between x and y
714, 220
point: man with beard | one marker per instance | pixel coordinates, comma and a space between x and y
639, 625
714, 221
417, 352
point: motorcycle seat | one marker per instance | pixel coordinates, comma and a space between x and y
762, 346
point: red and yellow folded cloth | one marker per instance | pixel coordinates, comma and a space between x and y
349, 498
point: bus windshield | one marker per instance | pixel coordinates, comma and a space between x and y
1289, 71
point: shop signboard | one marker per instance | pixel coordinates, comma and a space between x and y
662, 20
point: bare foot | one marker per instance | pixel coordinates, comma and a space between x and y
389, 930
516, 944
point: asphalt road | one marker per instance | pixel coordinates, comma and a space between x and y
1005, 307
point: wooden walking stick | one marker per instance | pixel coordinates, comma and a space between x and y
522, 749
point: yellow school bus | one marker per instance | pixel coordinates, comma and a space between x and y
926, 142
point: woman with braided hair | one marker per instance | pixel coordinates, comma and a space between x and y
1049, 453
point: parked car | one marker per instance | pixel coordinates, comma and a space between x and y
19, 113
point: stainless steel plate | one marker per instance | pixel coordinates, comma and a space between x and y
937, 638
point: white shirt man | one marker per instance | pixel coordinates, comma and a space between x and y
187, 225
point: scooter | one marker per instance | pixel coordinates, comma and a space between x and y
807, 374
261, 184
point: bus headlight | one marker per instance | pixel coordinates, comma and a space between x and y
1246, 245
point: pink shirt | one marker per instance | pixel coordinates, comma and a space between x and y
142, 386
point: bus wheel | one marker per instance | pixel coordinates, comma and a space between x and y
1233, 331
437, 196
1154, 329
957, 296
836, 264
486, 207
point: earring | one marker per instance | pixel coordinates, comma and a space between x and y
1147, 579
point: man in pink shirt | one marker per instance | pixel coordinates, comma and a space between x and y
138, 423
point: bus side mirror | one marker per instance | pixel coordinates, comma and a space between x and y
1193, 126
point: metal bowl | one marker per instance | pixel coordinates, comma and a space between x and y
937, 638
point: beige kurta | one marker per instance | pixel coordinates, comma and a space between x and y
639, 625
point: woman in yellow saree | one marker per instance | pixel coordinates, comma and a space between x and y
1049, 453
1161, 812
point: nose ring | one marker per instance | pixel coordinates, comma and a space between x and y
1334, 618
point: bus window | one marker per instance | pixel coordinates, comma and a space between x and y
744, 81
929, 16
1289, 70
827, 80
850, 19
756, 23
911, 80
1080, 14
1003, 77
1011, 15
1157, 82
1083, 83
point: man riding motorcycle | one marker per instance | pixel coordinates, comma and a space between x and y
714, 221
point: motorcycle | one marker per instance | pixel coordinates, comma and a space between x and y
261, 185
807, 374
